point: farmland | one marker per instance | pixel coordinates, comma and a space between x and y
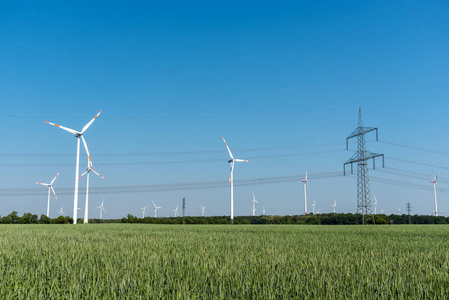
132, 261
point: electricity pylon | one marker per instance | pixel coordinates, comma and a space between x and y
409, 212
361, 157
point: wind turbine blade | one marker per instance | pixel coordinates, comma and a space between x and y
87, 151
46, 184
230, 154
53, 190
65, 128
87, 171
54, 178
90, 123
154, 204
232, 171
104, 209
98, 174
244, 160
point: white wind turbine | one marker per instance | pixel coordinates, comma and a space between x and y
90, 168
101, 207
254, 201
434, 181
202, 210
155, 209
305, 192
382, 211
143, 210
375, 205
334, 205
399, 211
77, 134
231, 178
61, 212
50, 187
176, 211
313, 207
263, 210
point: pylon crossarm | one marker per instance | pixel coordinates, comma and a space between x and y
360, 131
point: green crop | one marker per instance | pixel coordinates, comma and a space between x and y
137, 261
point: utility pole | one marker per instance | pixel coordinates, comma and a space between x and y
361, 157
409, 211
183, 209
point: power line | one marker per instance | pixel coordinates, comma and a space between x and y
415, 148
261, 114
140, 163
14, 192
195, 152
406, 118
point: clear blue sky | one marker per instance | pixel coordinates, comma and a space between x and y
175, 76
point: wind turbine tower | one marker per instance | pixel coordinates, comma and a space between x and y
50, 187
143, 210
101, 207
305, 193
176, 211
334, 205
313, 207
361, 157
155, 209
231, 178
254, 201
61, 212
434, 181
90, 168
202, 210
77, 134
375, 205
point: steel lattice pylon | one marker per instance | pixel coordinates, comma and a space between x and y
364, 206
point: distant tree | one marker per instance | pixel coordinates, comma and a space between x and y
44, 219
28, 218
12, 218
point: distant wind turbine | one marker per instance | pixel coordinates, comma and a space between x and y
375, 204
434, 181
101, 207
176, 211
90, 168
231, 178
254, 201
202, 210
334, 205
155, 209
143, 210
77, 134
61, 212
382, 211
263, 210
313, 207
50, 187
305, 193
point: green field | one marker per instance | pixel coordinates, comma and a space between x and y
132, 261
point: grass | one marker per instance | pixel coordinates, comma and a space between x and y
137, 261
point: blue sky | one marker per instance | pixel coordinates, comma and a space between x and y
174, 76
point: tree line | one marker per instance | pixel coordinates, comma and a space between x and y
311, 219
